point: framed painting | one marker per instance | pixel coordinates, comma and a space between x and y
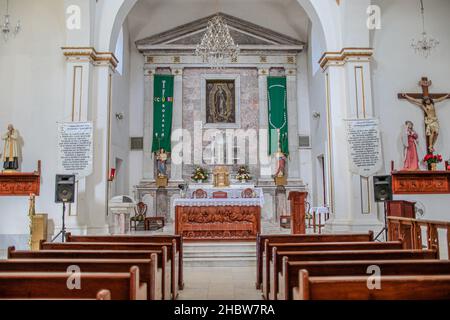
220, 101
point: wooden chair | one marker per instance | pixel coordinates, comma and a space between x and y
200, 194
140, 214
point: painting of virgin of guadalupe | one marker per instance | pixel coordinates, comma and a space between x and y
220, 102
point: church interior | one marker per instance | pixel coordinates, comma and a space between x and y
225, 149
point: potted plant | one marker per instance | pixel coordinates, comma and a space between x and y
432, 160
199, 175
243, 174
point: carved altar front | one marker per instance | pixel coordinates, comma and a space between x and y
20, 183
219, 214
421, 182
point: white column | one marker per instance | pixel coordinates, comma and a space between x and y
294, 158
265, 164
176, 174
349, 96
148, 162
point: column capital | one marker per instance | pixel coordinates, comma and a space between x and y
263, 72
149, 72
177, 71
89, 54
291, 72
345, 55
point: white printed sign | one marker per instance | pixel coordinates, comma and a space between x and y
364, 145
75, 148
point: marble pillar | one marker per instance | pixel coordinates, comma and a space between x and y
148, 161
265, 163
294, 158
176, 173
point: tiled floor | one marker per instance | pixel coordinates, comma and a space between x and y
218, 283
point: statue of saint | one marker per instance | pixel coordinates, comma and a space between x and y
11, 149
162, 158
281, 159
409, 139
431, 120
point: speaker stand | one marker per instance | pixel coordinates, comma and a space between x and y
62, 233
385, 228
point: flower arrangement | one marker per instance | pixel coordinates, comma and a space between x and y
200, 175
243, 174
432, 158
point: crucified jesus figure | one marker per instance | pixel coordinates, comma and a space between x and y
431, 120
426, 101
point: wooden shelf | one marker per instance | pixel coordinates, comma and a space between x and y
421, 182
20, 183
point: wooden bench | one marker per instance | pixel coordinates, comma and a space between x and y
147, 269
278, 256
289, 278
428, 287
171, 251
163, 263
134, 239
53, 285
269, 272
261, 239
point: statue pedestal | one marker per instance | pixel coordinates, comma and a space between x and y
162, 182
280, 181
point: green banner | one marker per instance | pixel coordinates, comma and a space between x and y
278, 117
162, 113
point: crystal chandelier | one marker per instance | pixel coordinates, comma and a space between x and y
5, 27
425, 44
217, 45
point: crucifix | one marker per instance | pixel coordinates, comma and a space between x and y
427, 102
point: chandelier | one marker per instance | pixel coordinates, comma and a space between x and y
217, 45
5, 27
425, 44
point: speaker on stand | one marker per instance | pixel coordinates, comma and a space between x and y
383, 193
64, 193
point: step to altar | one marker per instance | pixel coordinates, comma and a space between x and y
220, 254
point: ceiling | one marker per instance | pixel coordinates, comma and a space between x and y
151, 17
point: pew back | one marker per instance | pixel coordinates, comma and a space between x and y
289, 278
429, 287
261, 239
147, 269
52, 285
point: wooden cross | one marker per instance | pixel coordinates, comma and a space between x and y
419, 99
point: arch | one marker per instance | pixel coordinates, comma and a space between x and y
111, 17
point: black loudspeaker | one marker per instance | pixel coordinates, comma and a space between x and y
65, 189
382, 188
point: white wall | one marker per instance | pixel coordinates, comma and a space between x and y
396, 68
120, 128
32, 73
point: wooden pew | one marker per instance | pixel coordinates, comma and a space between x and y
428, 287
137, 238
171, 250
163, 263
261, 239
278, 256
53, 285
269, 273
147, 269
289, 278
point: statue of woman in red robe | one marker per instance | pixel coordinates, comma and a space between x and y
410, 139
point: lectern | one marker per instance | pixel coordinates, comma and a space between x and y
298, 223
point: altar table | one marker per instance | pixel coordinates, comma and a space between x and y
234, 218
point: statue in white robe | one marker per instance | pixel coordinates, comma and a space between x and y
11, 149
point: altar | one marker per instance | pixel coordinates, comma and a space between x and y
209, 213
